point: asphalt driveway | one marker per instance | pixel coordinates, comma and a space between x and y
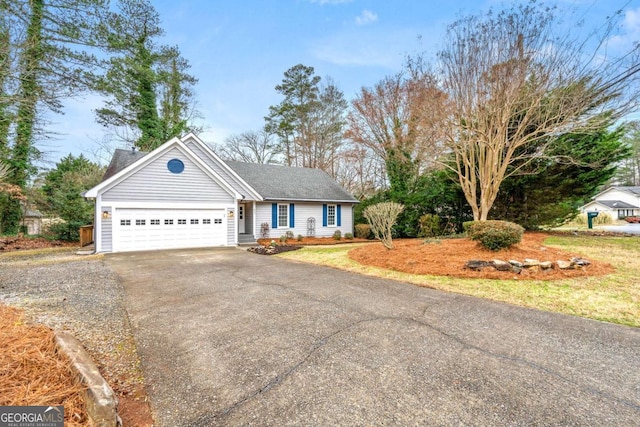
231, 338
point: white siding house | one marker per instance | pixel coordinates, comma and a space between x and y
617, 201
182, 195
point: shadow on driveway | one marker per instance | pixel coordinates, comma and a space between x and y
231, 338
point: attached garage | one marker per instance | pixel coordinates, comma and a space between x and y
168, 199
148, 229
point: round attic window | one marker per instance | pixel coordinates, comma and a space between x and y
175, 166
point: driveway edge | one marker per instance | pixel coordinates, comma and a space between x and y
100, 400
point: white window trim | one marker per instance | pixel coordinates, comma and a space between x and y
279, 227
335, 216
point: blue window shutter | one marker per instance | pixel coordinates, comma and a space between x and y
292, 220
274, 215
324, 215
338, 219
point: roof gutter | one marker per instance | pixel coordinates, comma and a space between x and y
284, 199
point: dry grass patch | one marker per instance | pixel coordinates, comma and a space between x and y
33, 372
614, 297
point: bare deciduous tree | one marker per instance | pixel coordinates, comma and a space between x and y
515, 80
359, 171
396, 120
251, 147
381, 218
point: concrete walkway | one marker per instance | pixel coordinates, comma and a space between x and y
232, 338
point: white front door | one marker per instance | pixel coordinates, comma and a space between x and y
241, 228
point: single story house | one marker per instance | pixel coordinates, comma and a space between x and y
182, 195
617, 201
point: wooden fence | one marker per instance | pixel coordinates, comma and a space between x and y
86, 235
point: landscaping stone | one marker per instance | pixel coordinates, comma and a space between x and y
546, 265
502, 265
272, 250
477, 265
580, 262
528, 267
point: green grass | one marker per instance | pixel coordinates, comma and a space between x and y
614, 298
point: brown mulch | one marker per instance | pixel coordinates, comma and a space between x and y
16, 243
448, 256
314, 241
33, 372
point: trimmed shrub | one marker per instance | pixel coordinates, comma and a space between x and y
337, 235
429, 226
283, 238
348, 236
300, 237
495, 235
363, 231
466, 225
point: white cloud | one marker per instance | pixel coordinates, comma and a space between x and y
366, 48
366, 17
630, 32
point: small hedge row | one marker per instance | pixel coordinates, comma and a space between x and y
494, 235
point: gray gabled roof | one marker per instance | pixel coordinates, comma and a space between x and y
634, 190
274, 182
122, 159
616, 204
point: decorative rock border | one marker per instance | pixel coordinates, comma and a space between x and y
529, 265
100, 400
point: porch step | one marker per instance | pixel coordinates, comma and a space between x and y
246, 239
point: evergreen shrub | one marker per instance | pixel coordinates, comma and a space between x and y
495, 235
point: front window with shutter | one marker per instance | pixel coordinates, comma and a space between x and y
331, 215
283, 216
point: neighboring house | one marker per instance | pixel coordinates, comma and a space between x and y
617, 201
182, 195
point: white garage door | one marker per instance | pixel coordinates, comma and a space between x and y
143, 229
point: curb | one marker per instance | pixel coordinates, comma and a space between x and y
100, 400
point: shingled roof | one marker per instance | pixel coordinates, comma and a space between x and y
616, 204
274, 182
120, 160
634, 190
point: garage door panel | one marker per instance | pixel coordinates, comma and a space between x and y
144, 229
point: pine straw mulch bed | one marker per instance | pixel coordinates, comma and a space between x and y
447, 258
33, 372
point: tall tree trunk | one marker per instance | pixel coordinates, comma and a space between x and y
5, 70
29, 95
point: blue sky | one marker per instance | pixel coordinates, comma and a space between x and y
239, 51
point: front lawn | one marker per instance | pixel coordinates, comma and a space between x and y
612, 298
